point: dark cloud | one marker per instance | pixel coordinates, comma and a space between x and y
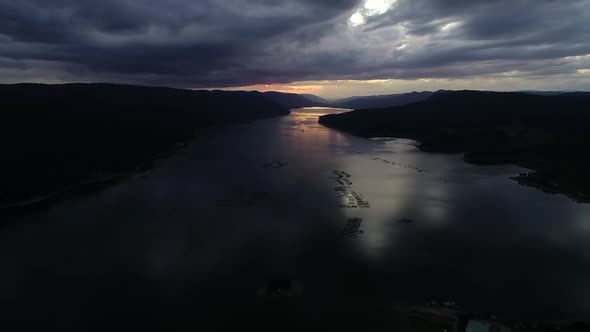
205, 43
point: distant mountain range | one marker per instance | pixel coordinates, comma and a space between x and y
316, 99
547, 133
291, 100
382, 100
365, 102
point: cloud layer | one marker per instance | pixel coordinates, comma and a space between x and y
206, 43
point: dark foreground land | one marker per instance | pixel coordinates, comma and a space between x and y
547, 134
55, 138
292, 315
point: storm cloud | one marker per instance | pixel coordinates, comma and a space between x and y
209, 43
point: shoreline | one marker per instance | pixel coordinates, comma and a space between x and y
530, 178
66, 190
140, 170
533, 176
534, 180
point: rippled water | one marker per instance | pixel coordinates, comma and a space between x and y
357, 222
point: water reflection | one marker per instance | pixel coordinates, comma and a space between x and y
304, 138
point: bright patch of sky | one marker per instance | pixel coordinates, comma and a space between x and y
450, 26
334, 89
368, 9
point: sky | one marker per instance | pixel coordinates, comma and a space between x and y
332, 48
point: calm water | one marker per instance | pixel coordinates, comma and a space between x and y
257, 202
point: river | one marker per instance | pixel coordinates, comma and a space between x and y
283, 198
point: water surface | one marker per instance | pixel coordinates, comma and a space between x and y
262, 201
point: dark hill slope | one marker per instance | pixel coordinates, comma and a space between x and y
546, 133
54, 137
